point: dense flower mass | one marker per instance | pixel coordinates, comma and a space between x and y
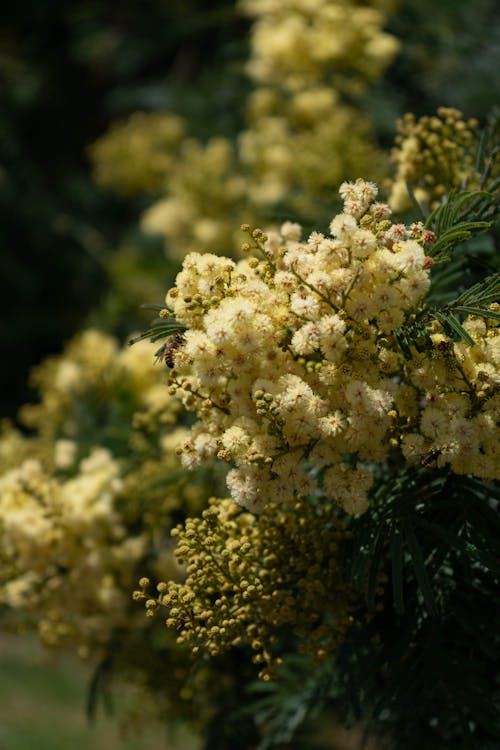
66, 557
297, 477
299, 147
296, 376
83, 494
295, 41
92, 392
459, 414
136, 155
303, 139
205, 189
303, 134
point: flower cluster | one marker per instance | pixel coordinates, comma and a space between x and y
205, 186
93, 390
66, 557
294, 42
136, 155
300, 141
460, 414
83, 495
196, 185
434, 154
293, 368
303, 139
300, 147
249, 577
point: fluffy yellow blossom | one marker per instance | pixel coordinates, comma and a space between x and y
459, 422
281, 355
300, 141
293, 369
204, 188
96, 376
295, 41
136, 155
84, 494
303, 159
67, 548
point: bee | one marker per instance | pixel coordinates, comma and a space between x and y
430, 457
166, 352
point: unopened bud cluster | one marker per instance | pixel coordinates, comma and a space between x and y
434, 154
250, 577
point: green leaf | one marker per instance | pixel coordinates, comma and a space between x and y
462, 216
99, 689
456, 236
376, 556
484, 291
453, 277
445, 535
403, 343
450, 324
396, 551
416, 205
482, 491
161, 330
419, 566
477, 311
471, 203
156, 308
484, 522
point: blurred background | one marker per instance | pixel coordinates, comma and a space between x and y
67, 71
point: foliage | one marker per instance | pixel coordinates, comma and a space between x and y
454, 222
67, 72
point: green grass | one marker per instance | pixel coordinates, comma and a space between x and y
42, 706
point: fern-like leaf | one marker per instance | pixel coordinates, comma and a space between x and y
464, 215
158, 330
474, 301
488, 152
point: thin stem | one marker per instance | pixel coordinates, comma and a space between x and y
313, 289
202, 397
347, 292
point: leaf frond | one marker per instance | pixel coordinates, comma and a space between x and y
159, 329
474, 301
